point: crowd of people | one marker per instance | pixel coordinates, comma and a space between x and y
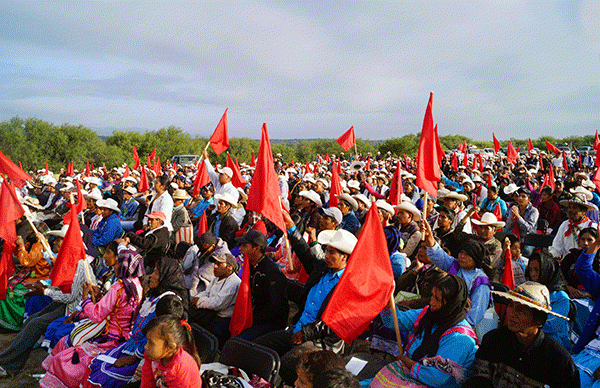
496, 276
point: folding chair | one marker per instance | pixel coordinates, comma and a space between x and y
252, 358
207, 344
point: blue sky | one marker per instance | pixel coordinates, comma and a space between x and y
308, 69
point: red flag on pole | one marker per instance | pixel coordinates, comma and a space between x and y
496, 144
529, 147
366, 284
511, 153
143, 185
158, 167
551, 147
241, 318
174, 166
336, 186
127, 172
428, 170
396, 187
203, 224
564, 162
307, 168
253, 160
490, 180
466, 158
78, 207
16, 174
11, 211
71, 251
368, 165
551, 179
327, 158
596, 178
440, 150
347, 140
474, 166
480, 161
264, 193
508, 277
237, 179
93, 166
46, 172
454, 162
87, 168
219, 141
596, 141
136, 157
202, 178
153, 153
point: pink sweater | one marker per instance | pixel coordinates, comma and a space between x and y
181, 372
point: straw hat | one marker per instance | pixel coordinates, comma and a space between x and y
227, 198
313, 196
489, 219
180, 194
579, 199
363, 199
531, 294
381, 204
454, 195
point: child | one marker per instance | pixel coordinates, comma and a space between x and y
170, 359
519, 262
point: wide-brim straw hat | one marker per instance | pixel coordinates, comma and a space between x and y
579, 199
454, 195
531, 294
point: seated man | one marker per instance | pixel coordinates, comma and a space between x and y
154, 242
520, 354
309, 329
109, 228
212, 309
197, 268
568, 231
129, 208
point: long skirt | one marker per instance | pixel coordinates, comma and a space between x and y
12, 308
68, 367
395, 375
106, 375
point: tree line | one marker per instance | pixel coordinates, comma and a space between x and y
32, 142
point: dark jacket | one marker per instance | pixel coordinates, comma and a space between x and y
419, 282
152, 245
269, 299
227, 229
316, 331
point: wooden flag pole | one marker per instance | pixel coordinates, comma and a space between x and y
287, 242
424, 216
355, 150
44, 242
396, 327
207, 144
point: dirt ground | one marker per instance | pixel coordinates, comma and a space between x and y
33, 366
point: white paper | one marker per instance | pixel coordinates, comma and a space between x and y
105, 358
488, 315
355, 365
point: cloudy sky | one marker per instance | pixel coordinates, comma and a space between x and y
308, 69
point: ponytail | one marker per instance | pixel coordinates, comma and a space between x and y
176, 332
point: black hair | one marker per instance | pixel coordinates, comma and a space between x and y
539, 317
336, 378
174, 332
443, 209
591, 231
113, 247
164, 180
170, 304
548, 190
317, 362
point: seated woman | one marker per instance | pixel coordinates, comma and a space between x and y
441, 344
408, 218
129, 354
67, 366
546, 271
468, 267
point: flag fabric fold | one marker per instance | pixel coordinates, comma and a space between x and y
511, 153
428, 169
153, 153
71, 251
78, 207
366, 284
565, 165
336, 186
253, 160
11, 211
347, 140
14, 172
529, 147
136, 158
496, 144
264, 193
440, 150
237, 180
454, 162
203, 224
241, 317
551, 147
143, 185
202, 178
508, 277
396, 189
219, 141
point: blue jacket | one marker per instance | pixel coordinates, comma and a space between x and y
590, 280
108, 230
350, 222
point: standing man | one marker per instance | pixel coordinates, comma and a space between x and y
221, 180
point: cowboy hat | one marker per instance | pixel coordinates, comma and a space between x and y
357, 165
334, 213
531, 294
489, 219
353, 184
311, 195
227, 198
180, 194
579, 199
588, 194
363, 199
381, 204
351, 201
110, 204
409, 207
454, 195
511, 188
341, 239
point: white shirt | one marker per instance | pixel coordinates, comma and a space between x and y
227, 188
561, 245
164, 203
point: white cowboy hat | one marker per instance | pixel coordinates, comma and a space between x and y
180, 194
409, 207
511, 189
341, 239
588, 194
351, 201
93, 195
353, 184
227, 198
357, 165
131, 190
381, 204
109, 204
489, 219
363, 198
454, 195
335, 213
310, 194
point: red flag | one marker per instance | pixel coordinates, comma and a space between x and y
511, 153
596, 142
551, 147
480, 161
549, 179
143, 185
11, 211
475, 163
127, 172
460, 147
466, 158
496, 144
202, 178
79, 206
174, 166
264, 193
327, 158
158, 167
46, 172
428, 170
396, 187
292, 160
203, 224
336, 186
366, 284
93, 166
87, 168
490, 180
339, 165
596, 178
508, 277
564, 162
136, 157
16, 174
307, 168
368, 165
241, 318
406, 161
347, 140
153, 153
253, 160
71, 251
219, 141
454, 162
529, 147
237, 179
440, 150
